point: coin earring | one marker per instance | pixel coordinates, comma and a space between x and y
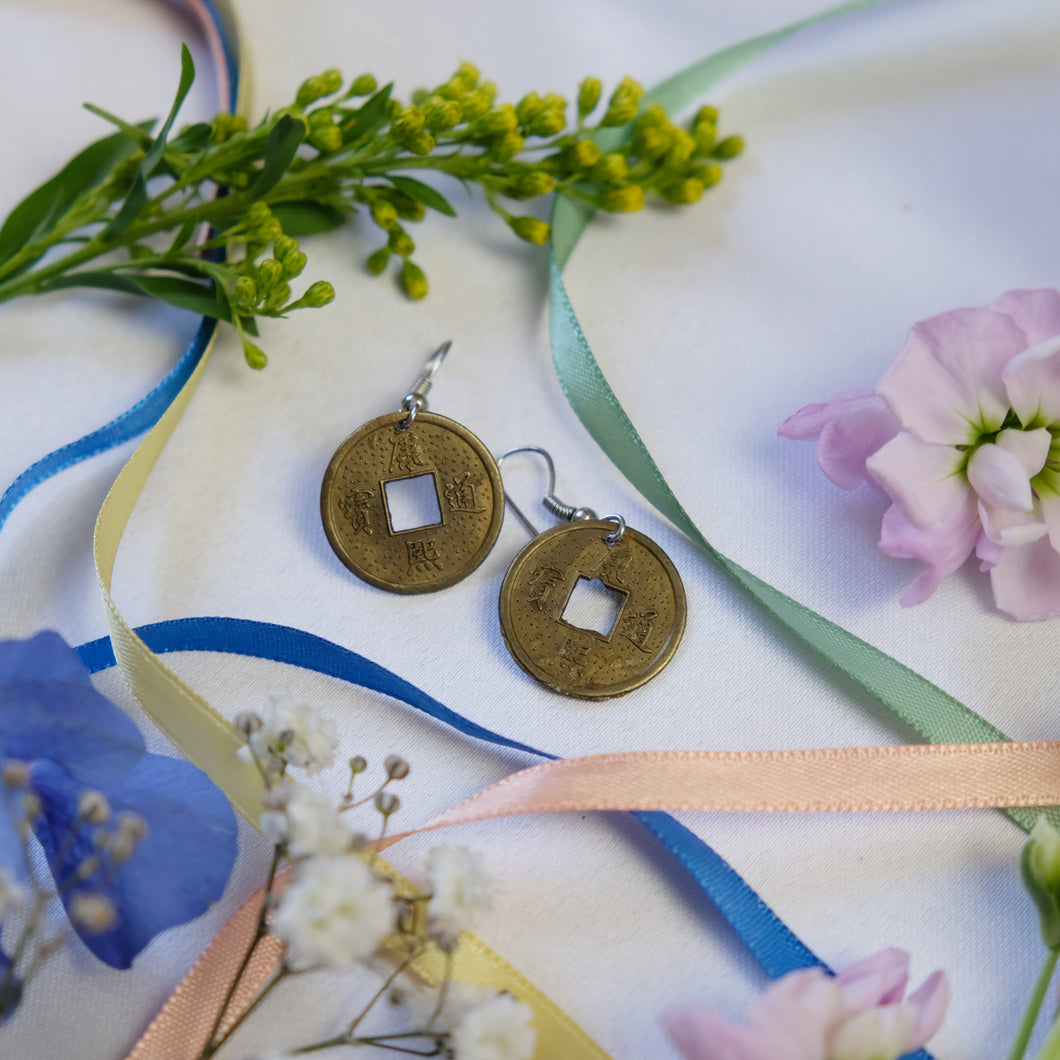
412, 501
564, 644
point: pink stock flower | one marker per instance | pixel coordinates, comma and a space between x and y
860, 1014
973, 461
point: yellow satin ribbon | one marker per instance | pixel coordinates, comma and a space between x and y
210, 741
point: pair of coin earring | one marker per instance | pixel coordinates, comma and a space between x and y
412, 502
636, 633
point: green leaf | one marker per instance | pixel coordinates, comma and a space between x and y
369, 118
249, 325
41, 208
184, 233
307, 218
424, 194
200, 298
140, 133
280, 148
137, 196
193, 138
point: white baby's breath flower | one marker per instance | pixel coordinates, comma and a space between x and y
291, 733
334, 913
314, 826
273, 825
460, 999
501, 1028
459, 885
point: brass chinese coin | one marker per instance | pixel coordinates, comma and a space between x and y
458, 514
584, 662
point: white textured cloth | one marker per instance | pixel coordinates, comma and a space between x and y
900, 163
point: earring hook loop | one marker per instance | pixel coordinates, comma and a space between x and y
551, 502
415, 400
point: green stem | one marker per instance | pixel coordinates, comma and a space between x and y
1034, 1005
1051, 1046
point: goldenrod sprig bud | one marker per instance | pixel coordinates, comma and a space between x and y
707, 175
588, 96
730, 147
314, 88
279, 297
583, 155
650, 143
622, 106
442, 114
552, 119
705, 135
383, 213
245, 295
420, 144
528, 108
253, 355
226, 125
611, 169
293, 263
529, 184
400, 242
497, 122
682, 192
319, 294
506, 147
679, 153
378, 261
622, 200
364, 85
475, 104
409, 121
270, 273
532, 229
283, 246
413, 280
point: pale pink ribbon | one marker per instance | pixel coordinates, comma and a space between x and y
918, 777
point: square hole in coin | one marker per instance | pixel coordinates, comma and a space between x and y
593, 606
412, 503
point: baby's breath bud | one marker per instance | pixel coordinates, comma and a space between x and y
93, 913
376, 265
358, 765
413, 280
611, 169
293, 264
313, 88
408, 122
31, 806
497, 122
132, 825
400, 242
88, 867
121, 848
530, 184
506, 147
387, 803
383, 213
588, 95
254, 355
325, 139
475, 104
683, 191
622, 106
15, 773
622, 200
705, 136
584, 155
442, 113
529, 107
270, 273
531, 229
396, 767
247, 722
319, 294
364, 85
93, 807
730, 147
680, 150
420, 144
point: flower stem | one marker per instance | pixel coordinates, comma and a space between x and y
1034, 1005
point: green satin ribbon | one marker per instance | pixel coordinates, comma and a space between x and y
927, 709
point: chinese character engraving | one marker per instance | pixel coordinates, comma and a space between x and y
460, 493
355, 506
574, 654
543, 582
637, 628
615, 568
406, 453
423, 557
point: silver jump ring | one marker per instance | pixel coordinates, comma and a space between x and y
611, 539
411, 404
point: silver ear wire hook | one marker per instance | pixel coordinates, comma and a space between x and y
551, 502
415, 401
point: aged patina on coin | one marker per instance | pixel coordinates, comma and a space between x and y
582, 662
358, 519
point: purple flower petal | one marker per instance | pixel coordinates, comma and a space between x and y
701, 1034
931, 1000
1000, 478
1031, 448
945, 385
49, 709
177, 872
807, 424
1008, 528
1037, 312
850, 439
923, 480
1032, 381
1026, 581
886, 972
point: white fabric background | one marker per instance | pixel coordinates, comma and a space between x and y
900, 163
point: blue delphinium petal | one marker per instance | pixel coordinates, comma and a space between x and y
49, 709
12, 854
177, 871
